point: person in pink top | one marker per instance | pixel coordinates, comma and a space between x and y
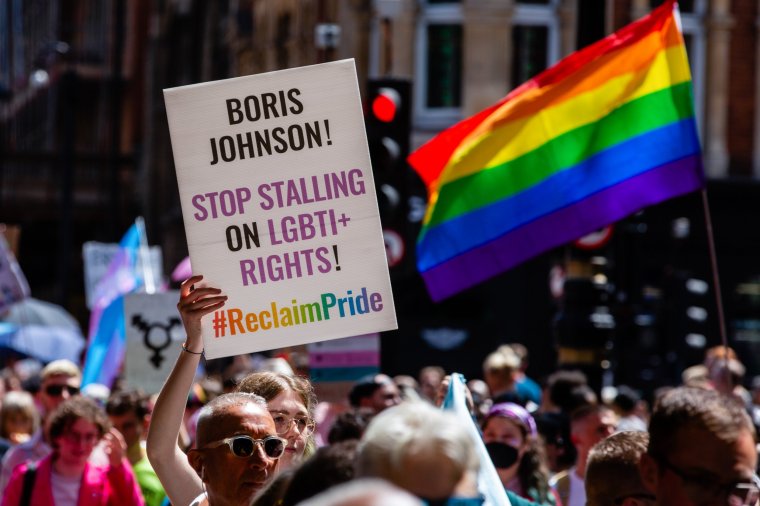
65, 477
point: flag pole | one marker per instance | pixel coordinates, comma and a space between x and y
714, 267
145, 260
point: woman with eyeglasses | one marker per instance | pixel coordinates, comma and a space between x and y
247, 440
291, 401
511, 438
65, 477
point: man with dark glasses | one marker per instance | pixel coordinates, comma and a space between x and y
60, 380
701, 451
236, 453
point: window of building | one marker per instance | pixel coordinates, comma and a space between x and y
535, 39
444, 66
695, 39
439, 49
529, 46
438, 67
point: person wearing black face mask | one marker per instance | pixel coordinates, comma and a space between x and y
510, 435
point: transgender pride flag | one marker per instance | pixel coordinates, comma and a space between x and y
604, 133
106, 336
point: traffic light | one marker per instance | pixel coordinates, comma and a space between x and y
388, 121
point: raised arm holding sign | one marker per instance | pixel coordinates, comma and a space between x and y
281, 218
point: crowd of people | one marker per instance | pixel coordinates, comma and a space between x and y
262, 438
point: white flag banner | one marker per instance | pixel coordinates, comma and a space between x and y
97, 257
279, 206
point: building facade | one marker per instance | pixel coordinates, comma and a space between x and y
85, 146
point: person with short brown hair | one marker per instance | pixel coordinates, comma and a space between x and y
589, 424
376, 392
129, 414
701, 450
612, 471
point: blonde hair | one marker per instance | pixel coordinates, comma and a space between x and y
62, 367
502, 362
419, 429
18, 403
269, 385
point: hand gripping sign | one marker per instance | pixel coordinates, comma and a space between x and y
279, 207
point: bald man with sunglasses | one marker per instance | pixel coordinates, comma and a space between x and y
237, 448
236, 453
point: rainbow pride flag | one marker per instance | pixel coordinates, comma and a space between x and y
604, 133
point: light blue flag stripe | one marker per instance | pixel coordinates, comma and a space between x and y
107, 334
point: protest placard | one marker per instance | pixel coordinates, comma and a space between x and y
154, 332
97, 257
280, 208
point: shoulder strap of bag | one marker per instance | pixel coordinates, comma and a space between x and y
29, 477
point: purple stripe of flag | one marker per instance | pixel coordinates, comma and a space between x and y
565, 225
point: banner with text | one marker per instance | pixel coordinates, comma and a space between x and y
280, 207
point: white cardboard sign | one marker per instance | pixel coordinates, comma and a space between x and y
97, 258
280, 208
154, 335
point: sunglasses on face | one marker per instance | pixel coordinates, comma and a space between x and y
245, 446
57, 390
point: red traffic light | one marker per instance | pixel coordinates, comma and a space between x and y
385, 104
